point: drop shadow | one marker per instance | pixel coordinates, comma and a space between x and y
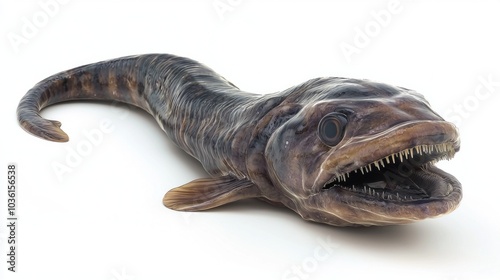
418, 239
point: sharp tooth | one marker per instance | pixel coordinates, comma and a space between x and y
364, 189
382, 163
389, 197
355, 171
370, 167
387, 159
343, 177
376, 165
393, 159
411, 152
366, 169
362, 170
431, 148
401, 156
348, 174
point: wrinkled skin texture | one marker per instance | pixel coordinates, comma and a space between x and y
336, 151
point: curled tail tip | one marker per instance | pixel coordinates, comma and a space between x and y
45, 129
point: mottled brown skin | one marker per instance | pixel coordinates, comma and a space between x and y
378, 171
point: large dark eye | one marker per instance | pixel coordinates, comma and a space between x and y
331, 128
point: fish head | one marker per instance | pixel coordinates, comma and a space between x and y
362, 153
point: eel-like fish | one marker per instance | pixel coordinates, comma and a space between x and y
334, 150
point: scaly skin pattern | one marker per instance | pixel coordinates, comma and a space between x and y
339, 151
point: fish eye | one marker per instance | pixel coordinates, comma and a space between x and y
331, 128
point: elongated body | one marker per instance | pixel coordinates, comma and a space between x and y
331, 149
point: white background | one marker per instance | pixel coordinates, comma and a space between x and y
105, 219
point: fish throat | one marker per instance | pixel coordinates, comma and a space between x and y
404, 176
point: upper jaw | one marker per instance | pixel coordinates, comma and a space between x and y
429, 140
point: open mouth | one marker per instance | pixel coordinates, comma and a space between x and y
407, 176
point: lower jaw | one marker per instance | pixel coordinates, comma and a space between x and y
353, 209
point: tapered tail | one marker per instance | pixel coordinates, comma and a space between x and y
120, 80
156, 83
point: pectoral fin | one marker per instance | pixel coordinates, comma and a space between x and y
206, 193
